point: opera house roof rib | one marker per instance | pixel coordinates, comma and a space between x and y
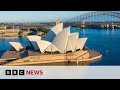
47, 46
53, 32
80, 43
60, 41
33, 40
57, 39
43, 45
52, 48
17, 46
72, 41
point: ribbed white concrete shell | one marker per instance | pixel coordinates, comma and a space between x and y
52, 48
72, 41
33, 40
53, 32
80, 43
43, 45
16, 45
69, 47
60, 41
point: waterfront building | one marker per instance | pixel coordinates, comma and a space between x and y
3, 27
57, 39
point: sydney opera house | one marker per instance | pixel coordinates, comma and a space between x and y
58, 39
58, 45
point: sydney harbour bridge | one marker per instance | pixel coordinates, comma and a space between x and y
96, 19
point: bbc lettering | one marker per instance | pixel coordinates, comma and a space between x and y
24, 72
15, 72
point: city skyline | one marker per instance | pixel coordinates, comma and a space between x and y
37, 16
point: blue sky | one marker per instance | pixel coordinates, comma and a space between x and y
37, 16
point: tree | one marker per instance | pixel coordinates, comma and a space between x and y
42, 29
20, 32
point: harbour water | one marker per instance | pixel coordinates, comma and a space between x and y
105, 41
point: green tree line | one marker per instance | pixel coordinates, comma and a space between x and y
42, 29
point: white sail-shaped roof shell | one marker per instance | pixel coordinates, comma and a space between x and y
52, 48
80, 43
33, 40
72, 41
69, 47
53, 32
43, 45
60, 41
16, 45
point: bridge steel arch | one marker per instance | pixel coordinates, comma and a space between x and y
87, 15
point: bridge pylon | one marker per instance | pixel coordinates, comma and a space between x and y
83, 24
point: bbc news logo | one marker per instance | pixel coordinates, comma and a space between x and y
23, 72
